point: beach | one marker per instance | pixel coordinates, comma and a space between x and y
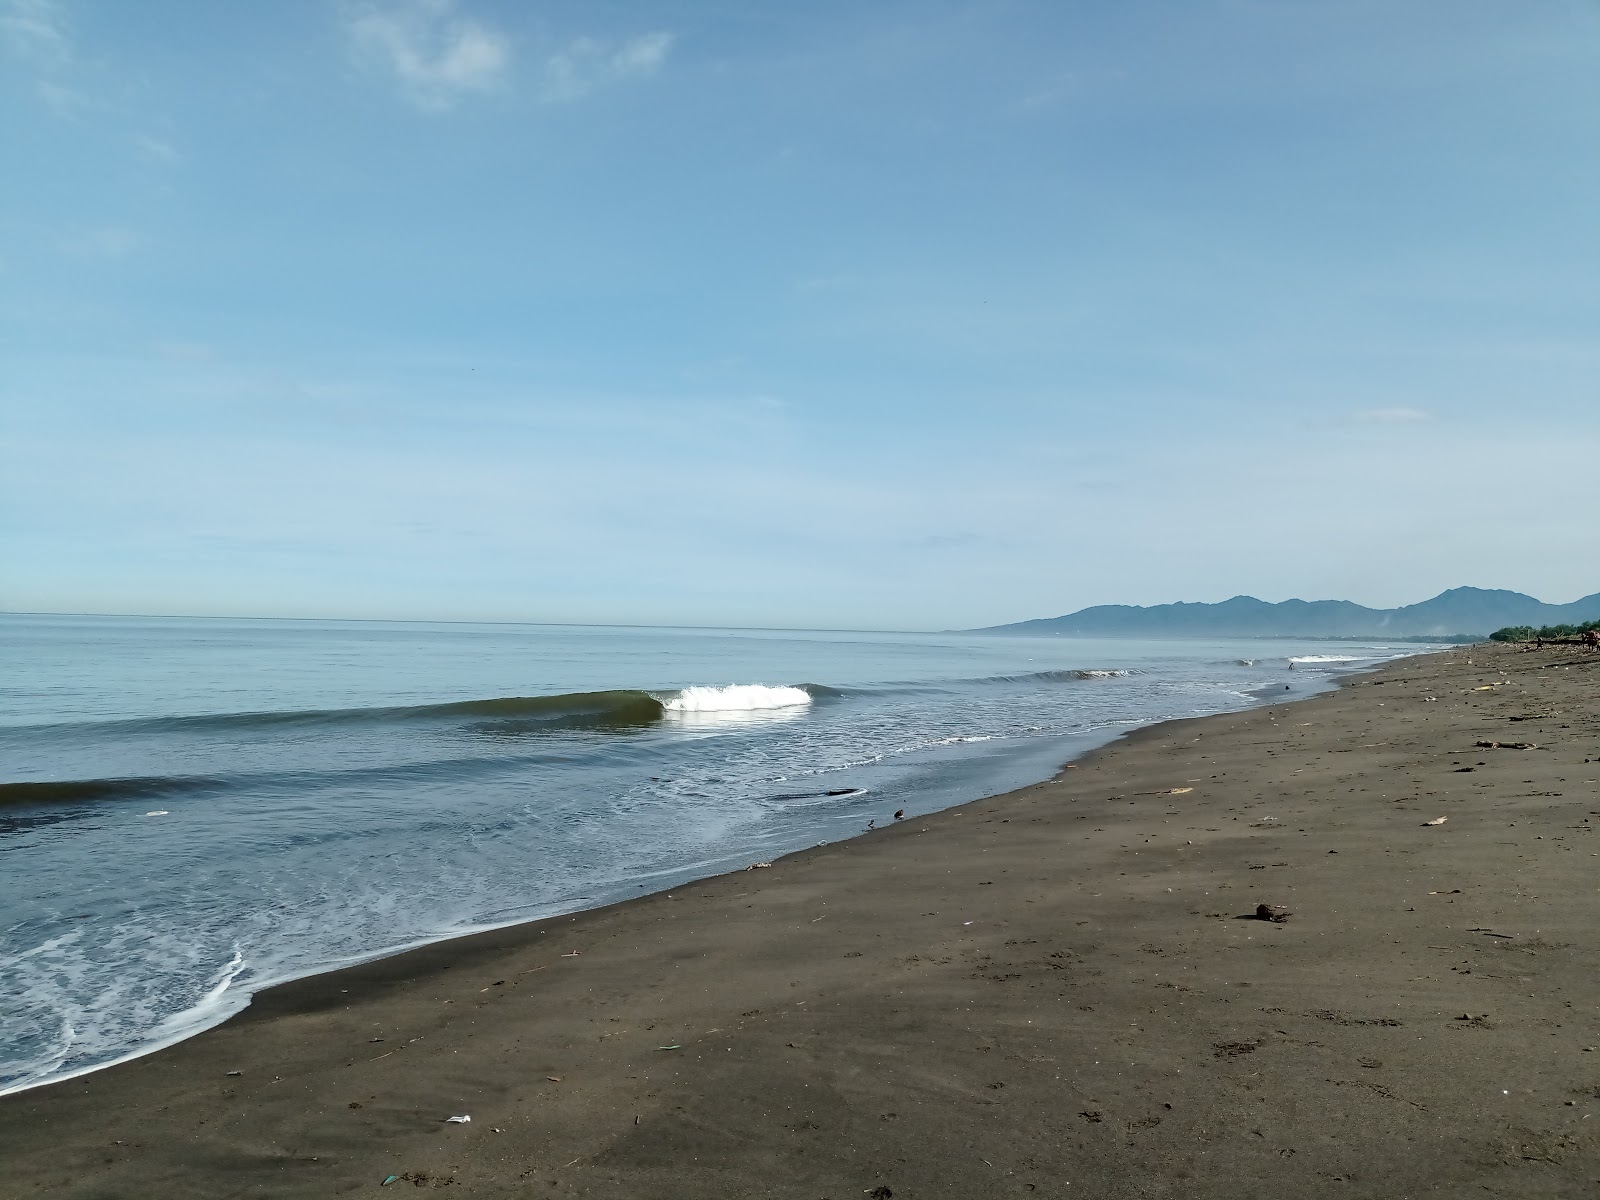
1062, 991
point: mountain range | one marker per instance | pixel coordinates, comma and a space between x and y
1459, 612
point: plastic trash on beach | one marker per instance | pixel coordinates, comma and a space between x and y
457, 1120
1436, 821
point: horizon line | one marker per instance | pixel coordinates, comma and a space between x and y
466, 621
745, 628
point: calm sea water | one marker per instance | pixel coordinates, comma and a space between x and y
193, 809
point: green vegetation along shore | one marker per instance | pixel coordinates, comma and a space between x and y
1545, 633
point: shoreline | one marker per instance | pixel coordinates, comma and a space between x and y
955, 1007
1096, 739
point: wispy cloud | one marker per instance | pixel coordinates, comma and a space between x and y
1393, 416
185, 352
35, 28
155, 149
62, 100
109, 242
589, 63
437, 54
35, 35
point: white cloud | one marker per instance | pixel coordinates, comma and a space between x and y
33, 27
589, 63
436, 54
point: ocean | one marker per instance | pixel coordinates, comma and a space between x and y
193, 809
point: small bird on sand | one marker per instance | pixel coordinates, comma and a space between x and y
899, 813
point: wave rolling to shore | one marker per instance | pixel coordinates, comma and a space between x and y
197, 810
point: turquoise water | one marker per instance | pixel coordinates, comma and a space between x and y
193, 809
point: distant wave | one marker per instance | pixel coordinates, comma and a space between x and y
1073, 676
68, 792
918, 687
1330, 658
614, 707
73, 791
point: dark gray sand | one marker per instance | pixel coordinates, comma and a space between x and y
1059, 992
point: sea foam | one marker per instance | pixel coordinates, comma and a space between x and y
736, 697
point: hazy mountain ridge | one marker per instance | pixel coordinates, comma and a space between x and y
1457, 612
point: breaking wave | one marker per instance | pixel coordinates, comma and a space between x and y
568, 709
507, 717
736, 697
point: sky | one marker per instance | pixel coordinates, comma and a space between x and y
735, 312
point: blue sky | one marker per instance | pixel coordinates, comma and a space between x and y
882, 315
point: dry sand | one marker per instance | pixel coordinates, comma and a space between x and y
1052, 993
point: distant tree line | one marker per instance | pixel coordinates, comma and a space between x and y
1548, 633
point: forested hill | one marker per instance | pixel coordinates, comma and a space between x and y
1458, 612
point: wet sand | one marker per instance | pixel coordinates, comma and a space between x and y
1058, 992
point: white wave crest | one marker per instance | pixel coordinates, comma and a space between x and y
736, 697
1327, 658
